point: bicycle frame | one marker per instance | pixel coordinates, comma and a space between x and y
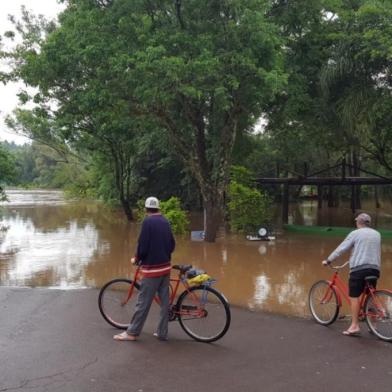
174, 285
342, 291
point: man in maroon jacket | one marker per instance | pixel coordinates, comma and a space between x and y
155, 246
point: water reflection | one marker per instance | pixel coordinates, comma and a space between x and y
262, 289
71, 244
307, 213
42, 255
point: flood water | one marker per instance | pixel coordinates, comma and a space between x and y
46, 241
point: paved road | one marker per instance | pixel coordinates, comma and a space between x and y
53, 340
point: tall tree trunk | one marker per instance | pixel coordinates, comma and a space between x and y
211, 170
122, 172
377, 199
127, 209
213, 211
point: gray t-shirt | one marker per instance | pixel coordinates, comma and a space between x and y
365, 245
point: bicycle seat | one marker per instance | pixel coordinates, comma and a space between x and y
371, 278
182, 267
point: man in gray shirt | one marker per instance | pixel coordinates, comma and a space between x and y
365, 260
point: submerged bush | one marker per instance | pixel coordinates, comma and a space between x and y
172, 211
249, 208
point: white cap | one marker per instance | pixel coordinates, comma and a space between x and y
151, 202
363, 218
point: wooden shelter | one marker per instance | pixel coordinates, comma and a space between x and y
322, 179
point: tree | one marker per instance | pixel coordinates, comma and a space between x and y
83, 104
358, 77
300, 126
206, 72
199, 72
338, 96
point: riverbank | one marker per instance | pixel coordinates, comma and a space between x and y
55, 340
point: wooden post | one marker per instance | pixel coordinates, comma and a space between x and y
285, 203
378, 205
357, 173
319, 196
343, 168
330, 196
278, 196
353, 199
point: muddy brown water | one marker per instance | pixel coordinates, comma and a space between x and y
46, 241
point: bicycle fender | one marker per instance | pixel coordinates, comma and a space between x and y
203, 286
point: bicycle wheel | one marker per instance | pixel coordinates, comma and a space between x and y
378, 310
203, 313
323, 303
111, 302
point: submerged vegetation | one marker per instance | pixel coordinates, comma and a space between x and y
172, 210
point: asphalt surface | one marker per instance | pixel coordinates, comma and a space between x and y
53, 340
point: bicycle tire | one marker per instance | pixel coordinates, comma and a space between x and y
110, 300
209, 302
379, 320
323, 303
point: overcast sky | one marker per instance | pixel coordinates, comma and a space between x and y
8, 98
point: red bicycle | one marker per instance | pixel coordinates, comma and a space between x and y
203, 312
325, 300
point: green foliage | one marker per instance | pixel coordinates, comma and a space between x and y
7, 166
339, 70
241, 175
172, 211
3, 196
248, 208
38, 165
177, 217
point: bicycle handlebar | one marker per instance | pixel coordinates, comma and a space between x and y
338, 267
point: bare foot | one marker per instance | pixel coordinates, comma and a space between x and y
123, 336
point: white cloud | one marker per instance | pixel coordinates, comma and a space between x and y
8, 93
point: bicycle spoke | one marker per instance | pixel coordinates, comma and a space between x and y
114, 304
203, 314
323, 303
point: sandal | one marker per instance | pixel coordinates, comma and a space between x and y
350, 333
125, 336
